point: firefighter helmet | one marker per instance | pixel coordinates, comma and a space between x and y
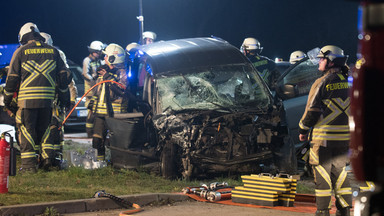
96, 46
296, 56
149, 34
251, 44
27, 28
47, 37
131, 46
115, 54
334, 54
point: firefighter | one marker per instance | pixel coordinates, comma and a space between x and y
296, 56
265, 66
149, 37
36, 73
326, 116
90, 64
109, 98
52, 147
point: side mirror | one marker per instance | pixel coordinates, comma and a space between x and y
287, 91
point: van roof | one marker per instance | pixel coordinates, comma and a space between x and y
181, 54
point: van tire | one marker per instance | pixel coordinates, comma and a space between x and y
168, 160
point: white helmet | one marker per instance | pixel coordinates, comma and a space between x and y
334, 54
149, 34
296, 56
27, 28
115, 54
251, 44
47, 37
96, 46
131, 46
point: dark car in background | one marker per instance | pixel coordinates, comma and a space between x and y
78, 117
293, 87
209, 113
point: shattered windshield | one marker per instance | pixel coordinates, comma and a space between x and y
218, 87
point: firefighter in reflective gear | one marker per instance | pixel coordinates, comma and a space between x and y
296, 56
36, 73
52, 147
265, 66
149, 37
326, 116
109, 98
90, 64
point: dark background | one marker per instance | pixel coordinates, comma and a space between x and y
281, 26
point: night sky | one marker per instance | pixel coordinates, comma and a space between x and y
281, 26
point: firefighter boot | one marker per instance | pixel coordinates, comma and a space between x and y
57, 160
322, 212
98, 144
46, 164
343, 211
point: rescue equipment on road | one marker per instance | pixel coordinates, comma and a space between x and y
267, 190
120, 201
213, 192
7, 161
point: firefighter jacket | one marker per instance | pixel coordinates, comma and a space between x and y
109, 98
90, 65
266, 68
327, 109
36, 72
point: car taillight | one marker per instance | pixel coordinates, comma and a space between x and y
367, 102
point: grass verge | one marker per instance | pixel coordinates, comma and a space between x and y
80, 183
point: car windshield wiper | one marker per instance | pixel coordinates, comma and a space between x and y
221, 106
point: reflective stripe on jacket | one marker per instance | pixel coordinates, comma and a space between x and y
35, 70
118, 104
327, 109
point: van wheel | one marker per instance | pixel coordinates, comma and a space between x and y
168, 161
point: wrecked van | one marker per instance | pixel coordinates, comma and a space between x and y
208, 112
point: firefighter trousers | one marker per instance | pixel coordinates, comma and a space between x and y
53, 145
33, 130
89, 123
330, 175
99, 136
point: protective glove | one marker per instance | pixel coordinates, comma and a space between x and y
64, 98
11, 113
90, 104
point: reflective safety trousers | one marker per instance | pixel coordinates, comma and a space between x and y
33, 130
330, 175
